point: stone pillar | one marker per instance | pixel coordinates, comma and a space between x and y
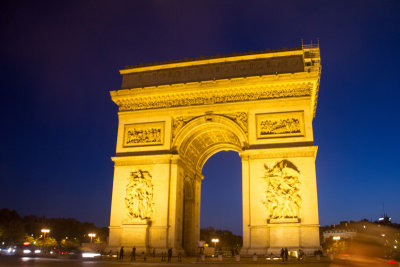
245, 202
279, 200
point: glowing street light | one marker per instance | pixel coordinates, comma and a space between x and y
45, 231
215, 241
336, 238
91, 235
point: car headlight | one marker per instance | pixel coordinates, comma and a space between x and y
27, 251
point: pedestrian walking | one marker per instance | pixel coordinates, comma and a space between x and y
133, 254
283, 254
169, 255
121, 253
144, 256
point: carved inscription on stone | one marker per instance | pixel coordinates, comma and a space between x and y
282, 195
280, 125
144, 134
139, 195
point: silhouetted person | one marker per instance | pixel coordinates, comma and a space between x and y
169, 254
144, 256
121, 253
301, 254
286, 254
283, 254
133, 255
154, 252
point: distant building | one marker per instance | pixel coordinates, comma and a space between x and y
343, 234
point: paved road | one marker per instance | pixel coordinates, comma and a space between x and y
48, 262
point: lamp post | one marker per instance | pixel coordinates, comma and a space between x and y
91, 235
45, 231
215, 241
336, 238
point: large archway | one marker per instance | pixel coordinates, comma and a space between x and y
173, 117
198, 140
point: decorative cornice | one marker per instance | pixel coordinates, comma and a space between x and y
212, 96
292, 152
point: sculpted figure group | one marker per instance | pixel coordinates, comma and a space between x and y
283, 190
139, 195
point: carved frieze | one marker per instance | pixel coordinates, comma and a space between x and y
211, 97
282, 194
286, 124
139, 195
144, 134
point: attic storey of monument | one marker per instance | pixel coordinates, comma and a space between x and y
173, 117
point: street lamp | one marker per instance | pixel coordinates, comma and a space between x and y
91, 235
45, 231
215, 241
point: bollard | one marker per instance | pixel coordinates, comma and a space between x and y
237, 258
254, 257
220, 257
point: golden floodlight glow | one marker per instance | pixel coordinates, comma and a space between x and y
336, 238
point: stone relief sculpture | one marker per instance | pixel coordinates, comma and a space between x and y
282, 198
143, 134
139, 195
240, 118
272, 125
281, 126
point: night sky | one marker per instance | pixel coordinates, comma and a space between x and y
60, 59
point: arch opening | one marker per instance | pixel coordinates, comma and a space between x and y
196, 143
221, 197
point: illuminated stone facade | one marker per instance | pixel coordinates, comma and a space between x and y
174, 116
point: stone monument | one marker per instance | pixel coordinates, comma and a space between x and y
174, 116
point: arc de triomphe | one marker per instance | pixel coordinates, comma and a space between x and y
174, 116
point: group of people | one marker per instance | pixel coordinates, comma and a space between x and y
133, 254
285, 254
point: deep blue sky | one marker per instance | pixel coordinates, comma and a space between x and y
60, 59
